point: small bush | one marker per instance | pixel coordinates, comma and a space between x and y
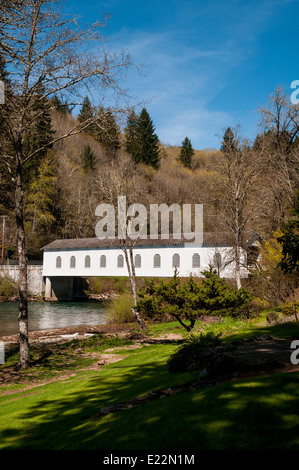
272, 317
189, 354
119, 309
8, 287
287, 309
252, 309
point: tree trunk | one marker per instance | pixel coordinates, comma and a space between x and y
295, 306
132, 277
237, 267
23, 307
237, 243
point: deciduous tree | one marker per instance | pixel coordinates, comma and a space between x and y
122, 178
50, 53
237, 185
278, 156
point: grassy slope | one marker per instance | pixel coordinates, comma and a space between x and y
248, 414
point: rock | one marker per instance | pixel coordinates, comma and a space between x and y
136, 336
106, 410
263, 338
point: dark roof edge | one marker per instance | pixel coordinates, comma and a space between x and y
208, 238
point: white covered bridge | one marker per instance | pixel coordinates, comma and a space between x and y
65, 262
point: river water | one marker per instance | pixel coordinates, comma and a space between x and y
51, 315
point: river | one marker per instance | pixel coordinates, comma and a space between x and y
51, 315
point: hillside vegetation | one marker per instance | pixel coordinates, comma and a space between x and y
242, 186
65, 186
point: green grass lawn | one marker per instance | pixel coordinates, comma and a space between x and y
256, 413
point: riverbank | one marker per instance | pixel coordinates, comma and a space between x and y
15, 298
76, 332
40, 298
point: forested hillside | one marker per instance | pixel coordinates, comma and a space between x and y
255, 182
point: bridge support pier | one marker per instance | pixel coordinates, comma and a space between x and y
48, 289
64, 288
59, 288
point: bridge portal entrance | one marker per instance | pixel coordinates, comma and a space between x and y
65, 288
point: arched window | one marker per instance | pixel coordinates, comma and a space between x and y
176, 261
87, 261
137, 261
157, 261
120, 261
196, 261
58, 262
103, 261
73, 262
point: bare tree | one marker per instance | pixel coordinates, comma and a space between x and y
47, 54
278, 149
238, 184
121, 184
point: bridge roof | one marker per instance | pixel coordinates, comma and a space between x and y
209, 239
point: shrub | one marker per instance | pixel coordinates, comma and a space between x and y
252, 309
189, 354
8, 287
119, 309
186, 301
288, 309
272, 317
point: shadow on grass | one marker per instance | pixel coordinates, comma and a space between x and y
288, 330
258, 413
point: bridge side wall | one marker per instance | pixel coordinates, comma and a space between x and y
147, 268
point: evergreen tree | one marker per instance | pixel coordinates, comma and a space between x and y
41, 196
131, 140
148, 148
86, 111
141, 140
187, 301
6, 186
60, 105
107, 132
229, 142
42, 135
88, 158
186, 153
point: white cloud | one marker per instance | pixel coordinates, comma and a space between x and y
185, 70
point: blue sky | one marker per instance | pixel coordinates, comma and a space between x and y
208, 64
